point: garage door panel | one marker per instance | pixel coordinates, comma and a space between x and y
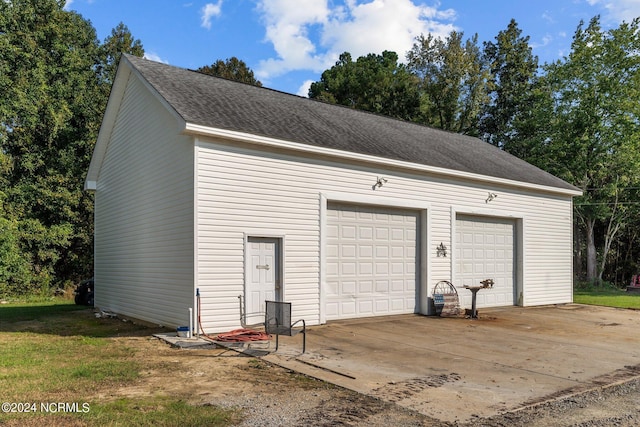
348, 287
366, 251
485, 249
360, 215
397, 268
348, 268
382, 233
467, 268
397, 234
332, 251
397, 252
366, 233
365, 287
398, 286
347, 232
366, 268
385, 252
382, 287
332, 268
411, 268
382, 251
348, 251
347, 308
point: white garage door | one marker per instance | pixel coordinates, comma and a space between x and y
485, 249
371, 261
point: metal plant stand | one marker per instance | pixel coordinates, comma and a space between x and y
487, 283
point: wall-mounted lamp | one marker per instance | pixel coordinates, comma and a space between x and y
379, 183
441, 250
491, 197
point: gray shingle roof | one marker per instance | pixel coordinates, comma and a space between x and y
218, 103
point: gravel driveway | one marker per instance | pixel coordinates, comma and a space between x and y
617, 405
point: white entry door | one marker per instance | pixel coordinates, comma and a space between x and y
262, 277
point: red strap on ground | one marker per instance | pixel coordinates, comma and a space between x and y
242, 335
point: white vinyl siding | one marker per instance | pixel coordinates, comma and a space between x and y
243, 190
144, 215
372, 261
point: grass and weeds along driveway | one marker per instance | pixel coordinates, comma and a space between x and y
107, 372
608, 297
56, 353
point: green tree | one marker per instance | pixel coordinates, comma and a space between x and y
375, 83
51, 105
120, 41
594, 141
512, 80
453, 81
15, 273
232, 69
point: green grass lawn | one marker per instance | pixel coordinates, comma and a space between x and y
608, 297
56, 351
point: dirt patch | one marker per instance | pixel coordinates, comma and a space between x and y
267, 395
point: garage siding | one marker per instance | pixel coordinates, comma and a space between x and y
241, 190
144, 215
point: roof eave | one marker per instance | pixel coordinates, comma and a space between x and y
199, 130
106, 127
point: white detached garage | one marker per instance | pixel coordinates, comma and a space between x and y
238, 191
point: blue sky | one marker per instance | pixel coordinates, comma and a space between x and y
288, 43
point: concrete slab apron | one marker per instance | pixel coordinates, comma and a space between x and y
453, 368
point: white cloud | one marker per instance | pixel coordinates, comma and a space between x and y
209, 11
287, 24
311, 34
546, 40
618, 10
152, 56
68, 3
546, 15
384, 25
304, 88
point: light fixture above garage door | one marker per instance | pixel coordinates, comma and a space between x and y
379, 183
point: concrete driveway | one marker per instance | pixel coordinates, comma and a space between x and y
455, 368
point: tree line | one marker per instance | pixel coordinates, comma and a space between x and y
576, 118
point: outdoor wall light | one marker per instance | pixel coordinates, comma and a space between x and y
379, 183
441, 250
491, 197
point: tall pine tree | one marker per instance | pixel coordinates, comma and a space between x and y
513, 70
